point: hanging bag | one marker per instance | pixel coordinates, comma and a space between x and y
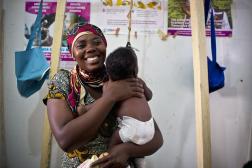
31, 67
216, 76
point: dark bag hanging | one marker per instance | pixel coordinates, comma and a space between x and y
216, 78
31, 67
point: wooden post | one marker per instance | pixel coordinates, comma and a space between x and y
203, 137
57, 38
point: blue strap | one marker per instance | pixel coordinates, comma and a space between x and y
36, 28
212, 27
213, 37
207, 6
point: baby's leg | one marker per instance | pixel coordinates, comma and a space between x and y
139, 162
115, 139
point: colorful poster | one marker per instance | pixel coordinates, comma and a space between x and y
147, 16
179, 18
76, 10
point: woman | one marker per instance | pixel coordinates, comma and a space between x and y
84, 132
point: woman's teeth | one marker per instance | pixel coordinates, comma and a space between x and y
91, 60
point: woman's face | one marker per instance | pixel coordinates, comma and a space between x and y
90, 52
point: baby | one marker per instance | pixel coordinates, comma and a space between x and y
136, 124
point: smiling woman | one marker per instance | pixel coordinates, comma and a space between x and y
94, 56
80, 104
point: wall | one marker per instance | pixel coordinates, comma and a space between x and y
231, 107
2, 142
166, 66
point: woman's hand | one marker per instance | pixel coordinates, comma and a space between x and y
123, 89
117, 158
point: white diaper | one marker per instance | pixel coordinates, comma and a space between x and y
133, 130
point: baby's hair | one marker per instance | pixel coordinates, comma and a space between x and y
122, 64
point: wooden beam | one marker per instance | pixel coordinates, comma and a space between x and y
58, 32
55, 57
203, 135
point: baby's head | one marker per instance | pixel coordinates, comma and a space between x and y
122, 64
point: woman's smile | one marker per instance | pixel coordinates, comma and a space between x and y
92, 60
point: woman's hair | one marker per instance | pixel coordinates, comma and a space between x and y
122, 64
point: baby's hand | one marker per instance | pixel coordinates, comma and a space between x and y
85, 164
82, 109
117, 158
88, 162
147, 91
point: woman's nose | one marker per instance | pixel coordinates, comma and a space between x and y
90, 48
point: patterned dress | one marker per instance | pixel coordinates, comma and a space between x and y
62, 86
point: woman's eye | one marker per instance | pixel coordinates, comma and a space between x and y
97, 41
80, 46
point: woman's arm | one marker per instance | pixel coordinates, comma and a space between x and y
71, 132
120, 154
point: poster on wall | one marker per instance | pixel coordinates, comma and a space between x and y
76, 10
179, 18
147, 16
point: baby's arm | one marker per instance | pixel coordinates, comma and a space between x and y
147, 91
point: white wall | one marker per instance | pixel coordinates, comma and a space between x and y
166, 66
2, 143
